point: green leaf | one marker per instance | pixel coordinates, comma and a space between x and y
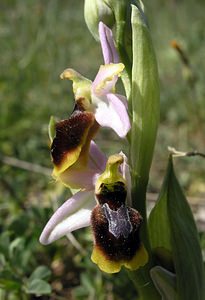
4, 242
145, 98
2, 261
171, 225
41, 272
9, 281
9, 284
16, 248
165, 282
38, 287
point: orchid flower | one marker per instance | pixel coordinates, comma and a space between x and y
95, 105
68, 217
110, 109
115, 226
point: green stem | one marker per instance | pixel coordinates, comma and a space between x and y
141, 278
126, 77
144, 285
139, 203
120, 16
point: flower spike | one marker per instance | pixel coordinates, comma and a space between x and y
78, 163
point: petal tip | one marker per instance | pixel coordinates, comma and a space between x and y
43, 240
65, 74
70, 74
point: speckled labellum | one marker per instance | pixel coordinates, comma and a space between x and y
115, 225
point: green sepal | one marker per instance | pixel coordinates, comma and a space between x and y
52, 128
81, 86
145, 98
171, 226
165, 282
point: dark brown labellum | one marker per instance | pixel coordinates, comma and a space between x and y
70, 134
116, 232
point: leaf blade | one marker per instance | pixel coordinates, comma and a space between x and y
178, 233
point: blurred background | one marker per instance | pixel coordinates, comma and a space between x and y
39, 39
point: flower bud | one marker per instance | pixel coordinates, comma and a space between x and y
96, 11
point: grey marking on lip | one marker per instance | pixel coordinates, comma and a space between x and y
119, 221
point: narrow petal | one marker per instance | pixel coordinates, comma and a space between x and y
123, 99
73, 214
113, 113
109, 51
125, 169
97, 159
52, 129
106, 78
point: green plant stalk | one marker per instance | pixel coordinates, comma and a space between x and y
141, 278
127, 74
145, 106
143, 283
145, 118
138, 98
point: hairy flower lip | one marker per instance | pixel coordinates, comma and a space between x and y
110, 266
71, 136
